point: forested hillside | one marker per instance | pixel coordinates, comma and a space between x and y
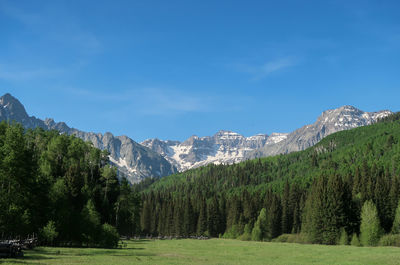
61, 188
319, 192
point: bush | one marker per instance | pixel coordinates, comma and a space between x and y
110, 236
49, 233
246, 236
354, 241
344, 239
282, 238
256, 234
232, 233
390, 240
292, 238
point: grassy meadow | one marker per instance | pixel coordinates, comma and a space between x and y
214, 251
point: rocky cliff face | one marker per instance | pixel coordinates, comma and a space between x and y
331, 121
225, 147
132, 159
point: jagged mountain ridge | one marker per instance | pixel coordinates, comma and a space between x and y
133, 160
224, 147
331, 121
229, 147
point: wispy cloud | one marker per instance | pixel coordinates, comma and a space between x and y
261, 71
161, 102
150, 101
13, 73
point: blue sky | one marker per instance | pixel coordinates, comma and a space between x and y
171, 69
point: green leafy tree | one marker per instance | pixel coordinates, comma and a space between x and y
370, 229
396, 222
259, 229
109, 236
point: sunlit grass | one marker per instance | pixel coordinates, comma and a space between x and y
214, 251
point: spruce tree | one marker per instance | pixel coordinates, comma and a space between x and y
287, 211
188, 219
202, 221
274, 218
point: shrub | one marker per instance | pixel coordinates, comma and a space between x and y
354, 241
256, 234
110, 236
390, 240
344, 239
232, 233
282, 238
49, 233
246, 236
292, 238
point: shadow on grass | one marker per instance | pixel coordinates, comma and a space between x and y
41, 253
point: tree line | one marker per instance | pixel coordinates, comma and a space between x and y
319, 195
63, 189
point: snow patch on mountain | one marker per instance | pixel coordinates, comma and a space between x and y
225, 147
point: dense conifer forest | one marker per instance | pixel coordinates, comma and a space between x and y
63, 189
343, 190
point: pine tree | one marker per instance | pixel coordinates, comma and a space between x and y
213, 217
382, 200
189, 223
274, 218
202, 221
334, 210
287, 211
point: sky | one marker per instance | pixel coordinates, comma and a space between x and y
172, 69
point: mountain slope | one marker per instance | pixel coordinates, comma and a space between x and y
345, 151
297, 190
331, 121
133, 160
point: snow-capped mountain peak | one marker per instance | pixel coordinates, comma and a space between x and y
224, 147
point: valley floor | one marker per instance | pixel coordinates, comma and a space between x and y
213, 251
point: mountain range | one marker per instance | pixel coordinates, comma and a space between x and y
134, 161
158, 158
227, 147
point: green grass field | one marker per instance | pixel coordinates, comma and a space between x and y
214, 251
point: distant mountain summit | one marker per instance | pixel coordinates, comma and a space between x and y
133, 160
227, 147
330, 121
